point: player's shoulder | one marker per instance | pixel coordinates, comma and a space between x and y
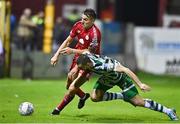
89, 54
78, 23
86, 52
96, 30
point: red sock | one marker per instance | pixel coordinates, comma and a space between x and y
67, 99
80, 93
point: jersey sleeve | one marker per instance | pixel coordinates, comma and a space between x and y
116, 64
102, 64
109, 67
86, 52
94, 46
103, 67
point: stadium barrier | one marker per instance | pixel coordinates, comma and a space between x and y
157, 50
37, 65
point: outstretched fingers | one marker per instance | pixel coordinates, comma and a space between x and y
145, 87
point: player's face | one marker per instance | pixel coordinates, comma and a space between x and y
87, 21
86, 66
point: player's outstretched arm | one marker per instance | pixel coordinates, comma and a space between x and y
66, 43
69, 50
142, 86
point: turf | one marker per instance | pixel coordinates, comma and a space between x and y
46, 94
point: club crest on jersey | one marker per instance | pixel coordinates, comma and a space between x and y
87, 37
81, 41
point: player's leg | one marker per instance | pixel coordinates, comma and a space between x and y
73, 88
100, 95
72, 75
153, 105
100, 92
131, 96
67, 99
84, 76
112, 96
97, 95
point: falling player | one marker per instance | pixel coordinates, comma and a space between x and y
112, 73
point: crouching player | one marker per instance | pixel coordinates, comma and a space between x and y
114, 74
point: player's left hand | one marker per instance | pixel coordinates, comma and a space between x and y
66, 50
54, 60
145, 87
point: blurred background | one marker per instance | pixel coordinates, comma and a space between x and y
143, 34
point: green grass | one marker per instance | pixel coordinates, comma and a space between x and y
46, 94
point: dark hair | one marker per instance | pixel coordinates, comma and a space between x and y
83, 59
90, 13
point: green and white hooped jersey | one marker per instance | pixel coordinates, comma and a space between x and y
104, 66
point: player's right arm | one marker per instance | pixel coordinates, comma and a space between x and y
142, 86
69, 51
65, 44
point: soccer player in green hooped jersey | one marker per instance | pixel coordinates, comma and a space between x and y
112, 73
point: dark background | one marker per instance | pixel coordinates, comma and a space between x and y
140, 12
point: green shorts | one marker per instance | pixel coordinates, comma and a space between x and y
130, 93
128, 88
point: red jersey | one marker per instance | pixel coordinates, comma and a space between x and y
86, 38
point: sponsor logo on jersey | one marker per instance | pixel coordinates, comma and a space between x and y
81, 41
87, 37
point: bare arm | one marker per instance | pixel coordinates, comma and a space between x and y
69, 50
78, 82
142, 86
65, 44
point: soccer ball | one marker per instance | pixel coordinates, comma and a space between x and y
26, 108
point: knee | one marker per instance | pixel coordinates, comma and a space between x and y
72, 89
70, 75
95, 98
138, 102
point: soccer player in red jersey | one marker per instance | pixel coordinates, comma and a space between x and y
89, 37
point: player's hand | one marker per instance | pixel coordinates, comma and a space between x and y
145, 87
54, 60
66, 50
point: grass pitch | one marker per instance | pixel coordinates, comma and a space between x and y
46, 94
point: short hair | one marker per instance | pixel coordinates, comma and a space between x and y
83, 59
90, 13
